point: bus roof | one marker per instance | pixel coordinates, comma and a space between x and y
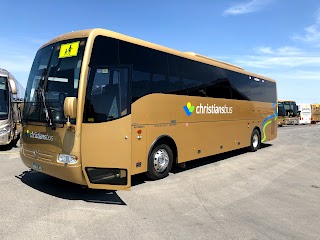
188, 55
4, 73
20, 88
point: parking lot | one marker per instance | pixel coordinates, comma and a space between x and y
270, 194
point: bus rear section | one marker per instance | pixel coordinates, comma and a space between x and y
315, 113
304, 113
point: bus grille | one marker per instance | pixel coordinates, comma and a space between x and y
37, 154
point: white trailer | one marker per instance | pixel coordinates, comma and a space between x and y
304, 110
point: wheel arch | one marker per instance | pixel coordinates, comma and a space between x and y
259, 130
170, 142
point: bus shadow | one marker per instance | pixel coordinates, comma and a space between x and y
66, 190
141, 178
214, 158
8, 147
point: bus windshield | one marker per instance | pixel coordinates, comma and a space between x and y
53, 77
281, 111
4, 98
290, 109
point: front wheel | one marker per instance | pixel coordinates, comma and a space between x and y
255, 140
160, 162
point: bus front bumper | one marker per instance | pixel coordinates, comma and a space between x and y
291, 122
68, 172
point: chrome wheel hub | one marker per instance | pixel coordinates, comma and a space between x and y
255, 140
161, 160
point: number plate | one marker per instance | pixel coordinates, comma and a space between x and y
36, 167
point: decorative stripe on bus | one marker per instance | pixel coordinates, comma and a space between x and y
265, 122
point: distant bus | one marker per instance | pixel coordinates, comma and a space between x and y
101, 106
287, 113
304, 113
315, 113
11, 95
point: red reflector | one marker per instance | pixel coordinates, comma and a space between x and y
139, 131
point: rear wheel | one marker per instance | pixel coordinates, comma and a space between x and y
255, 140
160, 162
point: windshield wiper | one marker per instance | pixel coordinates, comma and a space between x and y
41, 90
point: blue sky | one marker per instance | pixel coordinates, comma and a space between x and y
279, 39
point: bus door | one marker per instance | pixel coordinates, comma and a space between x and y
106, 129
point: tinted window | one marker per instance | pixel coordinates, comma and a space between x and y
281, 111
4, 98
140, 84
219, 89
240, 85
149, 69
186, 77
104, 52
157, 72
244, 87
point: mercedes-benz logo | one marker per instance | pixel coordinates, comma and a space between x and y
35, 154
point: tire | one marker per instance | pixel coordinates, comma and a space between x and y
160, 162
255, 141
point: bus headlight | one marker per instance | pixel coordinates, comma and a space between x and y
5, 130
67, 159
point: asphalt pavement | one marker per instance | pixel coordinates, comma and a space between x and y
273, 193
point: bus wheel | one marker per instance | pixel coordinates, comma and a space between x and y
255, 140
160, 162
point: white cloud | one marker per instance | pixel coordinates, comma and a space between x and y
246, 7
277, 61
17, 57
16, 63
283, 51
298, 75
312, 33
15, 54
297, 72
268, 58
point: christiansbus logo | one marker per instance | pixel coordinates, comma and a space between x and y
207, 109
188, 108
40, 136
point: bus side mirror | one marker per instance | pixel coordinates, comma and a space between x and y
70, 107
13, 85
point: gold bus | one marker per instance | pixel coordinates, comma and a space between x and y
315, 113
287, 113
101, 106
